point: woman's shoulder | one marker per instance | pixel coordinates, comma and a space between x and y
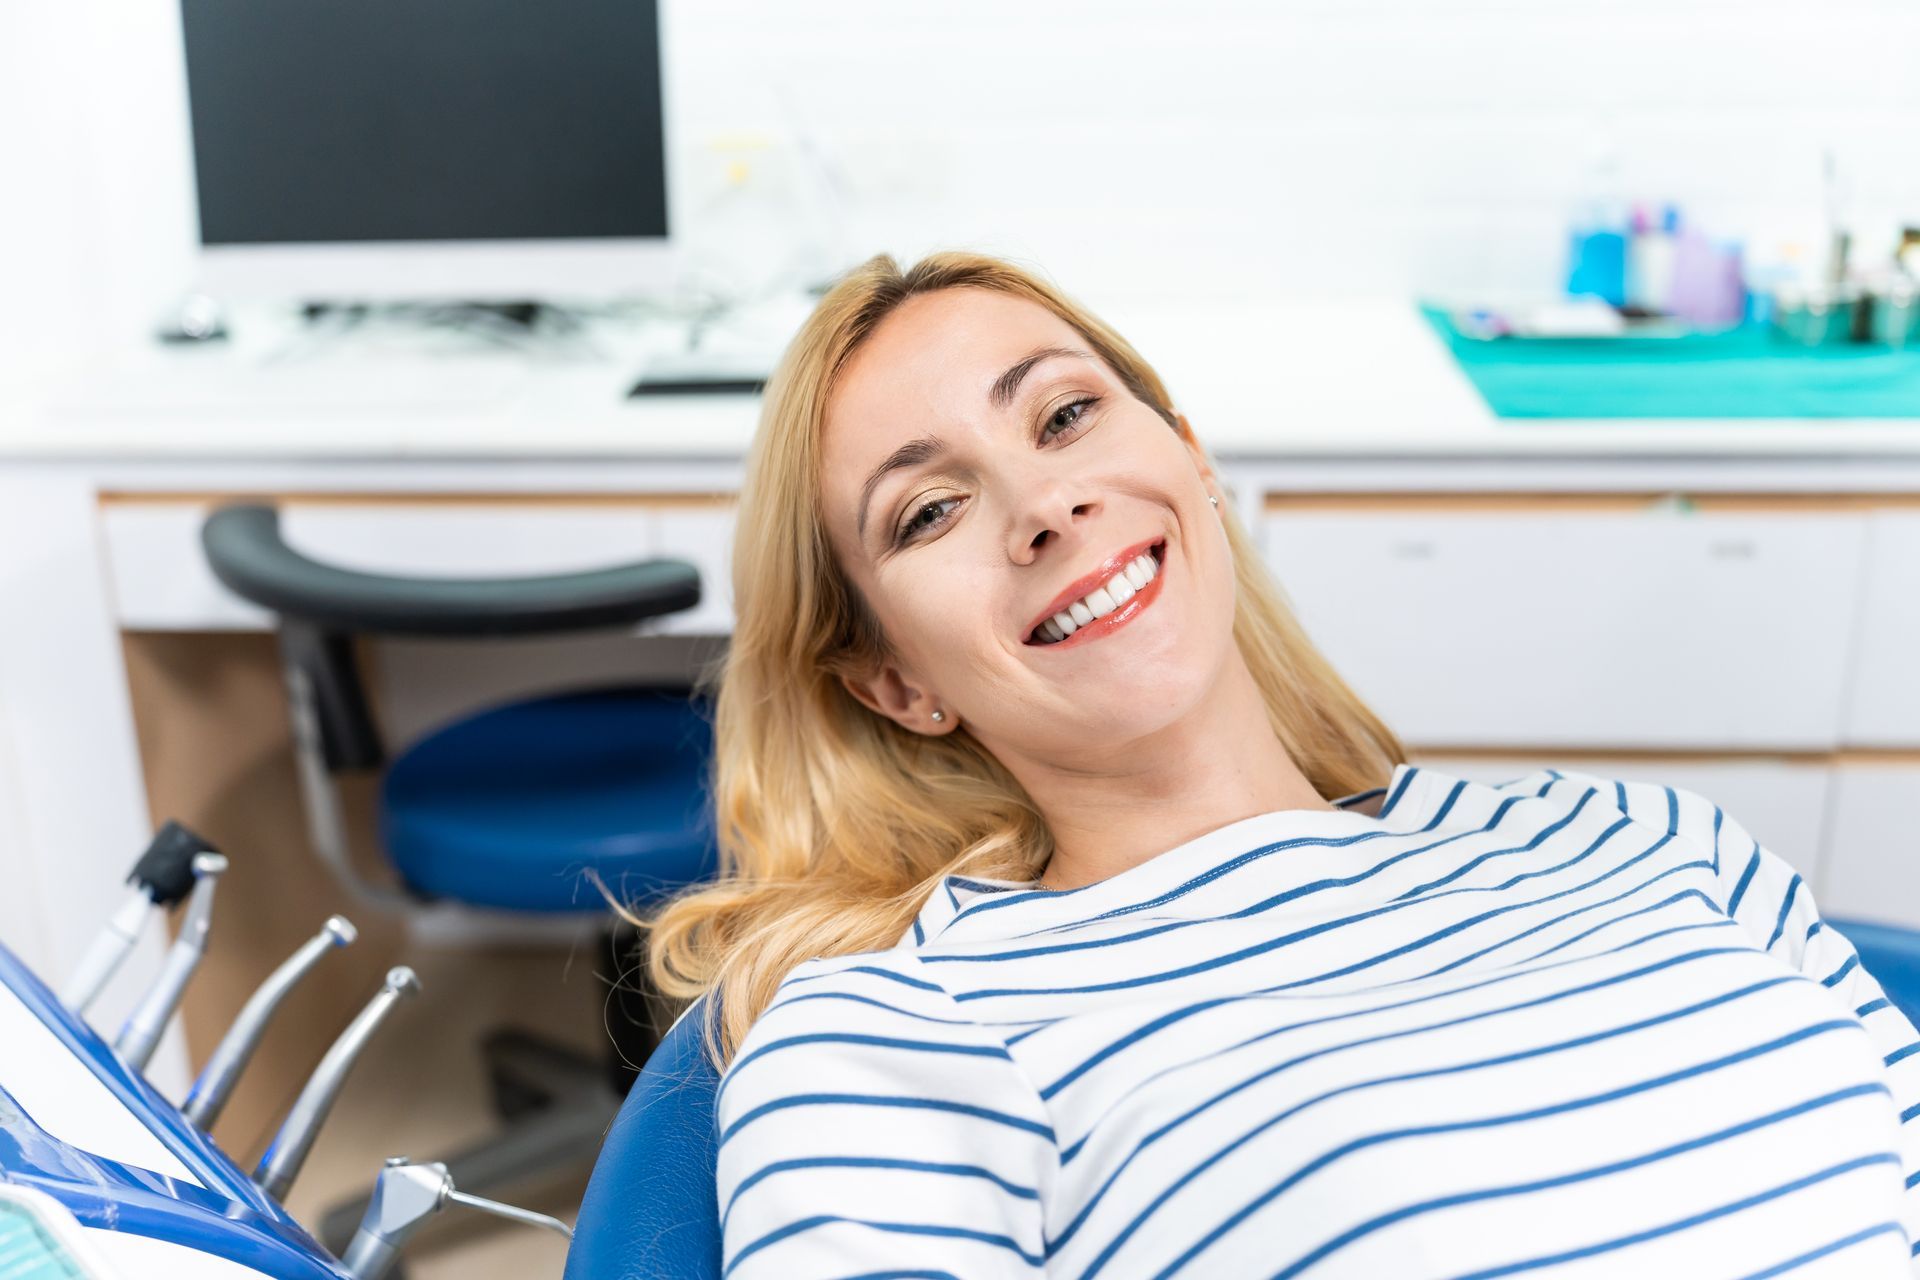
1674, 810
861, 994
866, 1019
1687, 816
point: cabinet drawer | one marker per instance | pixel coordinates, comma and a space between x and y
1883, 707
1655, 628
160, 579
1873, 848
1781, 803
702, 535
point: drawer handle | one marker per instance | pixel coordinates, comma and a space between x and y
1414, 549
1732, 549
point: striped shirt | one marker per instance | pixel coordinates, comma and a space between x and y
1562, 1026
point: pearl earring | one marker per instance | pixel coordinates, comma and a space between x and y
938, 716
1215, 501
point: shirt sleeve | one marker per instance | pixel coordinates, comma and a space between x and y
868, 1127
1767, 898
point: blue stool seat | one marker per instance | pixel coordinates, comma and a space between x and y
511, 807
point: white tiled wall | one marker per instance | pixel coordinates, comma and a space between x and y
1322, 144
1130, 148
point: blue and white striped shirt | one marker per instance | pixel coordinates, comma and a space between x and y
1564, 1025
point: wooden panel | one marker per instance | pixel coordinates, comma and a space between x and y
1599, 629
216, 752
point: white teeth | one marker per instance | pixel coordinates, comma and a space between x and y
1104, 599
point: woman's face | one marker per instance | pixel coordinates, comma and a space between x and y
976, 484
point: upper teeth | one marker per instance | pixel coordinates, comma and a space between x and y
1103, 599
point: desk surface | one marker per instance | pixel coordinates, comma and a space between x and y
1353, 379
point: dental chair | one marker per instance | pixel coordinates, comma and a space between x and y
517, 808
652, 1208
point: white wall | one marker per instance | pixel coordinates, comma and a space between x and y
1129, 148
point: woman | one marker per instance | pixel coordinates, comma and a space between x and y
1040, 949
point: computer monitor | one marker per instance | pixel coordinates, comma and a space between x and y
479, 150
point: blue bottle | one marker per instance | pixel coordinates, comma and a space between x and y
1598, 264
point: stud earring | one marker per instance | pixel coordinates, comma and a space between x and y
938, 716
1215, 501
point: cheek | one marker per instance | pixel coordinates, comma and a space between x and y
937, 619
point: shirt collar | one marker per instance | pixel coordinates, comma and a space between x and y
959, 907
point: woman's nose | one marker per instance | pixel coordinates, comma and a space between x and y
1046, 519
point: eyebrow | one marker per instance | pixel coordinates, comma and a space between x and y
910, 454
1009, 382
927, 448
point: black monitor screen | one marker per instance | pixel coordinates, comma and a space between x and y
344, 120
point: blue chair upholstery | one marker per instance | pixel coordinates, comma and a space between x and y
651, 1208
1892, 955
508, 808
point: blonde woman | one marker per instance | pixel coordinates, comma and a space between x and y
1077, 919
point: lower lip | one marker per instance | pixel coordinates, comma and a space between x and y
1120, 617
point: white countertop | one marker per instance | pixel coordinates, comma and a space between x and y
1300, 379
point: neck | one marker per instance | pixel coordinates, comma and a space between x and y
1116, 812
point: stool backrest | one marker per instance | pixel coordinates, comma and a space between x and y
651, 1208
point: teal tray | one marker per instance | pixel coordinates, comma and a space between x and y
1744, 373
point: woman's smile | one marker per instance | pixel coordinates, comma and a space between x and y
1103, 601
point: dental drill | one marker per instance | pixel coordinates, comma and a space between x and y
406, 1195
215, 1085
141, 1031
162, 877
283, 1159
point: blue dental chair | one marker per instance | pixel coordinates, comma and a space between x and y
652, 1208
518, 808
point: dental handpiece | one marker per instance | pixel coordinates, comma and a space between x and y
141, 1031
162, 877
281, 1164
405, 1196
215, 1085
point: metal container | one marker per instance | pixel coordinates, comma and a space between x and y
1815, 315
1895, 321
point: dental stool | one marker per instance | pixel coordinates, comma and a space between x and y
516, 808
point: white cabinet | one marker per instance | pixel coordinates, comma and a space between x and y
1883, 706
1782, 803
1631, 628
161, 582
701, 534
1873, 844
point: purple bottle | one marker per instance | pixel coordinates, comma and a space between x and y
1708, 289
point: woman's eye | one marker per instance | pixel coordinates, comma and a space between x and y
917, 523
1083, 404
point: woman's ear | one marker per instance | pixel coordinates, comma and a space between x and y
895, 694
1200, 462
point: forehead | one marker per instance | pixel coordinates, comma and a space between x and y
930, 364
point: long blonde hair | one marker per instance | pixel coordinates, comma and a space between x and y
834, 823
